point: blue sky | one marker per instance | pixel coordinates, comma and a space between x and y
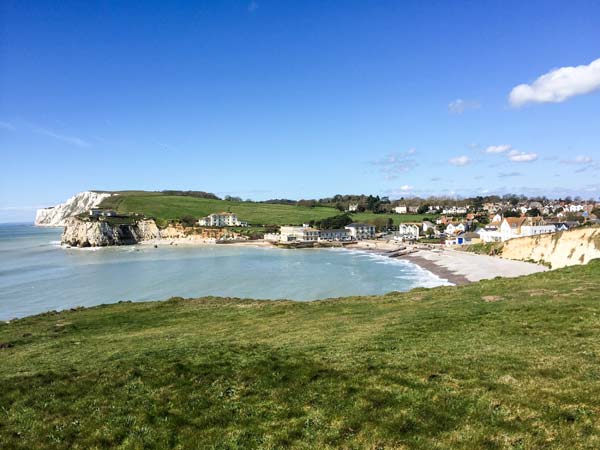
266, 99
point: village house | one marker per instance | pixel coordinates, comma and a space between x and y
452, 228
463, 239
334, 235
97, 212
352, 207
224, 219
296, 233
407, 232
455, 210
490, 233
515, 227
403, 209
361, 231
427, 225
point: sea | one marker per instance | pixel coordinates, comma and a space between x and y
37, 274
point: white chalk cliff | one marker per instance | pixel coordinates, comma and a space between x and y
56, 216
85, 233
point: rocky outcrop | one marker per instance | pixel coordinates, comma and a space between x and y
569, 248
56, 216
86, 233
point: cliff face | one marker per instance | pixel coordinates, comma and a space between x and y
568, 248
81, 233
57, 215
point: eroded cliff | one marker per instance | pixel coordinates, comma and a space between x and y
578, 246
86, 233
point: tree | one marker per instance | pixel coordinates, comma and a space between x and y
390, 223
188, 220
334, 222
423, 209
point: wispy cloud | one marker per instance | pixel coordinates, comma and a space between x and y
394, 164
558, 85
460, 160
252, 6
498, 148
459, 106
581, 160
519, 156
509, 174
7, 125
73, 140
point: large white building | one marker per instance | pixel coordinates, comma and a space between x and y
407, 231
361, 231
295, 233
514, 227
224, 219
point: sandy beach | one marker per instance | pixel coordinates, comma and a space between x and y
458, 267
461, 267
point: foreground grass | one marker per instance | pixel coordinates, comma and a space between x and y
173, 207
500, 364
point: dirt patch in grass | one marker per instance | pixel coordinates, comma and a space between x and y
491, 298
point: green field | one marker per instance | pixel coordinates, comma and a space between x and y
173, 207
500, 364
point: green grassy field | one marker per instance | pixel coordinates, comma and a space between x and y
173, 207
500, 364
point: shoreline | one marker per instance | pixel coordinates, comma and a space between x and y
456, 267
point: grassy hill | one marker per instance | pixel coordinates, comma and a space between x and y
500, 364
172, 207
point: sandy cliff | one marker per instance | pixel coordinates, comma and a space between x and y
83, 233
568, 248
56, 216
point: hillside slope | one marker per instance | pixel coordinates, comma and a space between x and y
500, 364
577, 246
172, 207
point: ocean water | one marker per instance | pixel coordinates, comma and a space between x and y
38, 275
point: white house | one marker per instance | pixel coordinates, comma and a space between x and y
295, 233
491, 232
334, 235
360, 231
97, 212
515, 227
455, 210
575, 208
427, 225
352, 207
407, 231
224, 219
453, 229
401, 209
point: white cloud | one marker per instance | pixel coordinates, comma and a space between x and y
406, 187
61, 137
558, 85
459, 106
393, 164
498, 148
518, 156
509, 174
7, 125
581, 159
459, 160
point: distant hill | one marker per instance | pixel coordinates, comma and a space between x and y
168, 206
